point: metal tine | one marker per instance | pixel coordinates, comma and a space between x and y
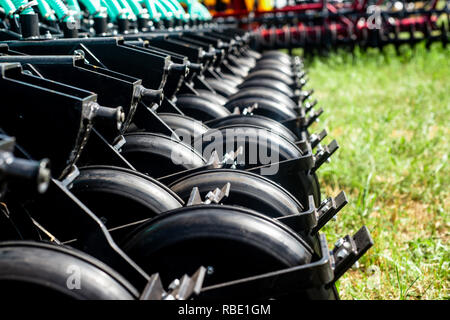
315, 139
214, 160
214, 196
194, 197
178, 289
250, 109
189, 286
218, 194
154, 289
229, 159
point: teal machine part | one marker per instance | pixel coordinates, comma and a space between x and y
119, 11
75, 7
143, 17
169, 8
26, 22
99, 13
8, 6
62, 12
127, 10
109, 10
114, 10
46, 11
94, 8
155, 15
176, 8
164, 13
197, 10
137, 9
19, 3
183, 15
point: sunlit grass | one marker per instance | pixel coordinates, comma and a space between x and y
391, 117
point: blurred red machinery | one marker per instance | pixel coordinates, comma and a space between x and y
326, 24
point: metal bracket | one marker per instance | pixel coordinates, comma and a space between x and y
305, 95
120, 141
179, 289
304, 145
311, 119
278, 283
303, 221
71, 176
315, 139
7, 143
349, 249
168, 106
309, 105
302, 81
323, 155
329, 208
294, 124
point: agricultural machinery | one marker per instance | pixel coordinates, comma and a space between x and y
149, 152
323, 25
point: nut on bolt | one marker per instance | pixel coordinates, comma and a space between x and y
43, 176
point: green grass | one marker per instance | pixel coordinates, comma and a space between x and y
391, 116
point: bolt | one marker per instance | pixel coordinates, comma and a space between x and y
342, 254
79, 53
320, 153
210, 270
174, 284
43, 176
347, 245
339, 243
325, 208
